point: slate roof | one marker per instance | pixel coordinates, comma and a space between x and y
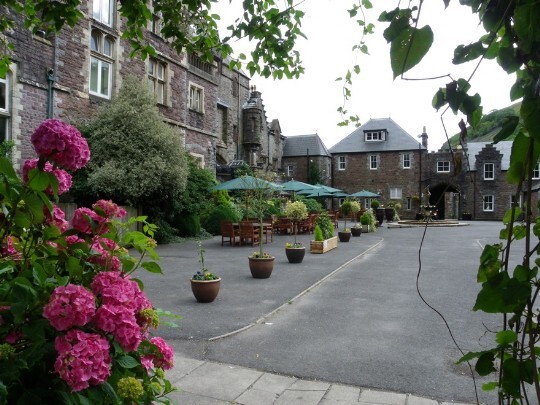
298, 146
474, 148
397, 139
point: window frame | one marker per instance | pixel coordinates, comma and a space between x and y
102, 59
406, 157
375, 136
408, 204
5, 112
373, 159
199, 100
488, 203
342, 163
441, 166
99, 17
155, 80
487, 171
396, 193
290, 170
536, 172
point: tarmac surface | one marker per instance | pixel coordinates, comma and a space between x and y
347, 326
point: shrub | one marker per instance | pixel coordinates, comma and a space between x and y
226, 212
188, 224
313, 206
318, 234
326, 225
368, 218
375, 204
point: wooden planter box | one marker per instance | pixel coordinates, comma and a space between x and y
323, 246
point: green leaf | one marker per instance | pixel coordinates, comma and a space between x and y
38, 180
530, 111
520, 147
35, 206
409, 47
490, 265
506, 337
6, 168
152, 267
485, 364
127, 362
439, 99
508, 127
466, 53
502, 294
510, 380
490, 386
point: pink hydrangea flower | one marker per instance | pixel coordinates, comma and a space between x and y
69, 306
83, 219
14, 336
83, 359
121, 323
105, 248
64, 178
7, 249
61, 143
163, 359
57, 218
72, 239
110, 209
114, 289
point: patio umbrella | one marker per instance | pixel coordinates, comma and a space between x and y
340, 195
245, 183
364, 193
328, 188
295, 185
320, 193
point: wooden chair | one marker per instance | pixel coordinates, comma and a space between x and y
284, 225
249, 233
268, 229
228, 231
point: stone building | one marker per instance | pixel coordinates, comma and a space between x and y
70, 74
303, 154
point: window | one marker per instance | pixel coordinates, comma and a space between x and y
103, 11
235, 87
101, 63
489, 171
536, 172
290, 170
196, 98
373, 162
341, 163
395, 193
443, 167
371, 136
157, 23
198, 63
488, 203
518, 202
4, 109
408, 204
406, 161
157, 74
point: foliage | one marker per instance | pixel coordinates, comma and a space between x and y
325, 224
188, 25
137, 157
313, 206
294, 245
203, 273
196, 195
296, 211
66, 335
375, 204
6, 148
165, 232
347, 208
318, 233
218, 213
259, 255
368, 218
314, 174
188, 224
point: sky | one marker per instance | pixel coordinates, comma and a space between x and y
309, 104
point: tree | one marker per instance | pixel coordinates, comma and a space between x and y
136, 157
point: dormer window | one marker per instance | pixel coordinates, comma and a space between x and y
375, 136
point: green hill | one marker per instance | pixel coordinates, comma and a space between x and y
489, 126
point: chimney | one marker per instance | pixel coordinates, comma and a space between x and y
424, 137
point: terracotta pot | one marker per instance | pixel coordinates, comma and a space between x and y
295, 255
205, 290
261, 267
344, 236
356, 231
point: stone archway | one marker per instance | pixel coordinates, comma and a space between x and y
446, 197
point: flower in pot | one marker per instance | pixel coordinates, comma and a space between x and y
204, 284
356, 229
296, 211
368, 221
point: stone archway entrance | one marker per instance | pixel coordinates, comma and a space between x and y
446, 198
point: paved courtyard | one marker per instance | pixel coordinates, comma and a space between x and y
351, 316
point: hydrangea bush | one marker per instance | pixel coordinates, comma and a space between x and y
75, 327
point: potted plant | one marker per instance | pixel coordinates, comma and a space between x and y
204, 285
346, 209
296, 211
378, 210
323, 234
356, 229
257, 196
368, 221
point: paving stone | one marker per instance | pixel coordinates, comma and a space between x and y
343, 393
302, 397
337, 402
182, 366
306, 385
219, 381
256, 397
414, 400
274, 383
187, 398
456, 403
382, 398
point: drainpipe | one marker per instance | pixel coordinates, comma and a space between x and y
50, 82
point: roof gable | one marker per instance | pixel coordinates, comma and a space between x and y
504, 147
302, 145
397, 138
